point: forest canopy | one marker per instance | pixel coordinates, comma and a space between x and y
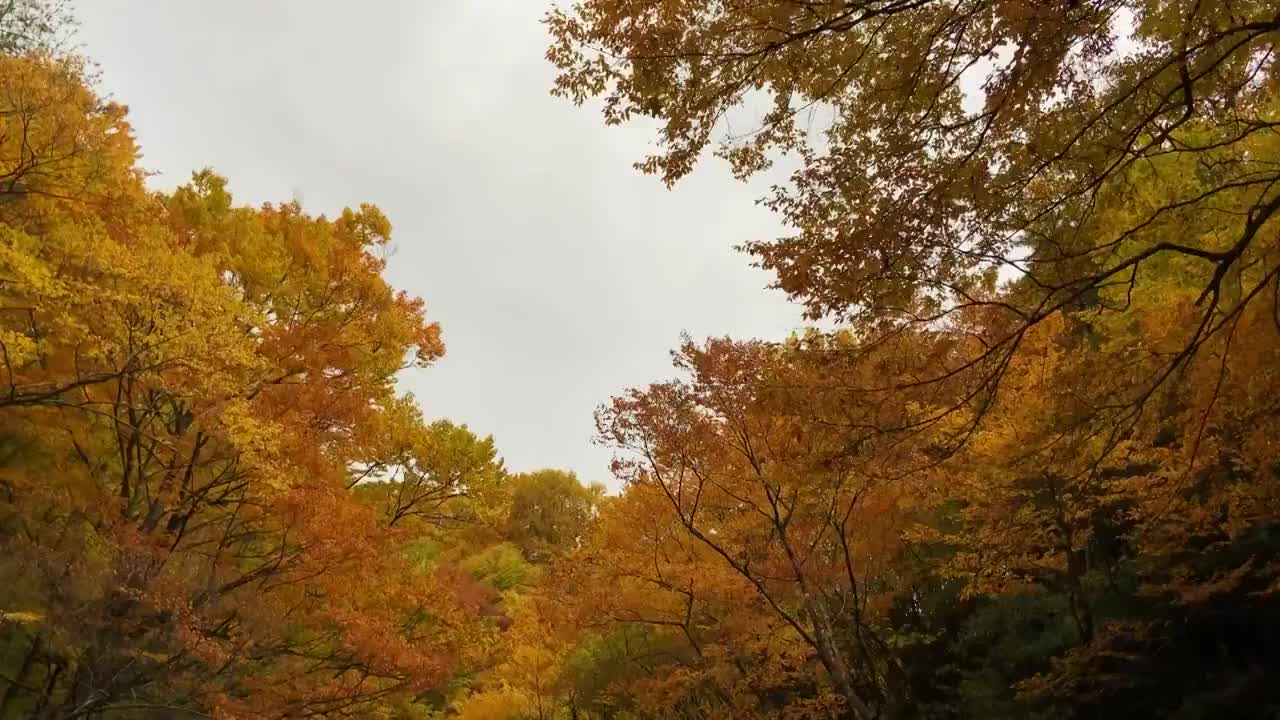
1026, 467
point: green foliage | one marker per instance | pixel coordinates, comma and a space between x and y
502, 566
423, 553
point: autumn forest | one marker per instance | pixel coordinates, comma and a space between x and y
1024, 463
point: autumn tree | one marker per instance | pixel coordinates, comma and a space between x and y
551, 512
758, 492
1154, 536
192, 393
1079, 200
943, 146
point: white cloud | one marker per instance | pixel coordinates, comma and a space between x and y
559, 274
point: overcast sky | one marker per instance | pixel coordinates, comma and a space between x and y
560, 275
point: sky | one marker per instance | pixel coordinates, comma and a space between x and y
560, 275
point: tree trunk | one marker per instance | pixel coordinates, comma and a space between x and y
832, 658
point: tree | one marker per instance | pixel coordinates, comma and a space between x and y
190, 391
766, 499
967, 142
550, 512
439, 474
35, 26
1065, 217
